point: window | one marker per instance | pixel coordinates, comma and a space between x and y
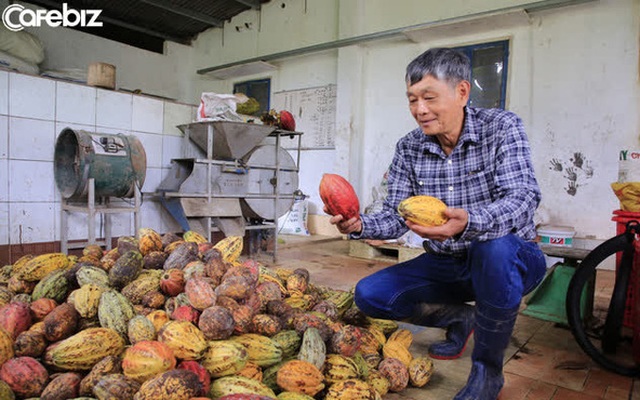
258, 89
488, 73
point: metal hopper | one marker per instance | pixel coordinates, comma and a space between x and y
231, 140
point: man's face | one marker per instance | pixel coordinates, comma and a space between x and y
436, 106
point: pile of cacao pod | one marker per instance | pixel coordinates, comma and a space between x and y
170, 317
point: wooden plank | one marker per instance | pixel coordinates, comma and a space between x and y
199, 207
385, 252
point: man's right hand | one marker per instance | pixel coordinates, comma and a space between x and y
353, 225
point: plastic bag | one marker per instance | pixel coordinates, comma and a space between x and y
294, 222
629, 195
220, 107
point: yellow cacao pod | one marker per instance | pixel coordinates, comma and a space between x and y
238, 384
351, 389
261, 349
224, 357
38, 267
184, 338
84, 349
423, 210
404, 336
396, 349
148, 241
230, 248
420, 371
300, 376
193, 236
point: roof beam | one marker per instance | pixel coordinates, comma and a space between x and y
57, 6
255, 4
185, 12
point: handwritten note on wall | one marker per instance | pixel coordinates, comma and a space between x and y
314, 110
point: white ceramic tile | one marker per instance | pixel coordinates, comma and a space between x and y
176, 114
75, 103
4, 92
77, 226
31, 222
153, 216
4, 223
31, 97
60, 126
4, 180
31, 139
152, 144
113, 110
4, 137
147, 115
152, 180
171, 148
31, 181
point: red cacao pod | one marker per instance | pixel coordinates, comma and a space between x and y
339, 197
287, 122
15, 318
41, 307
199, 370
186, 313
63, 386
172, 282
25, 375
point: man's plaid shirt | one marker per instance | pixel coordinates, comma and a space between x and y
489, 174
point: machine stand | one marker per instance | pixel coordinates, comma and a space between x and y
90, 207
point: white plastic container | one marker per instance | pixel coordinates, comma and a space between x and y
556, 235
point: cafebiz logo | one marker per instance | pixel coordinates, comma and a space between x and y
16, 17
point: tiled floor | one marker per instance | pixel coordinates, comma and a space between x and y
543, 361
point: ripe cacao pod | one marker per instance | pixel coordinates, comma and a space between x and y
339, 197
173, 384
84, 349
420, 371
287, 122
146, 359
148, 241
216, 323
396, 372
184, 338
224, 357
200, 371
423, 210
352, 389
300, 376
25, 376
63, 386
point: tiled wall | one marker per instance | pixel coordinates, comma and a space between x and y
34, 110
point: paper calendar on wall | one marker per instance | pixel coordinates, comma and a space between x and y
314, 110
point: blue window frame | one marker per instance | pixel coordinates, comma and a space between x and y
489, 62
259, 89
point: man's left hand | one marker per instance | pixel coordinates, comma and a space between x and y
456, 224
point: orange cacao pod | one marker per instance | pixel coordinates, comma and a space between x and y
146, 359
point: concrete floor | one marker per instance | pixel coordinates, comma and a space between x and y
543, 361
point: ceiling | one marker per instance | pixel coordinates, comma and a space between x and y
148, 23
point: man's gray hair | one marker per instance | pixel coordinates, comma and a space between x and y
444, 64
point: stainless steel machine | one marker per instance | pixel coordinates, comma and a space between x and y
246, 181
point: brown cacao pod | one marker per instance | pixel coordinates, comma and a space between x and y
126, 269
6, 346
346, 341
41, 307
182, 255
396, 372
339, 197
216, 323
108, 365
154, 260
175, 384
115, 387
127, 244
61, 322
200, 293
63, 386
30, 344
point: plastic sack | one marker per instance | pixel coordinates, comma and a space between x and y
220, 107
22, 45
629, 195
294, 222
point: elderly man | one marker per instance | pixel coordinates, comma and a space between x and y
478, 162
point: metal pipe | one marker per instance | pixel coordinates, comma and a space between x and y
541, 5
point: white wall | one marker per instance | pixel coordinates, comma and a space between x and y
34, 110
573, 78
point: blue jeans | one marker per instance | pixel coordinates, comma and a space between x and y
495, 272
